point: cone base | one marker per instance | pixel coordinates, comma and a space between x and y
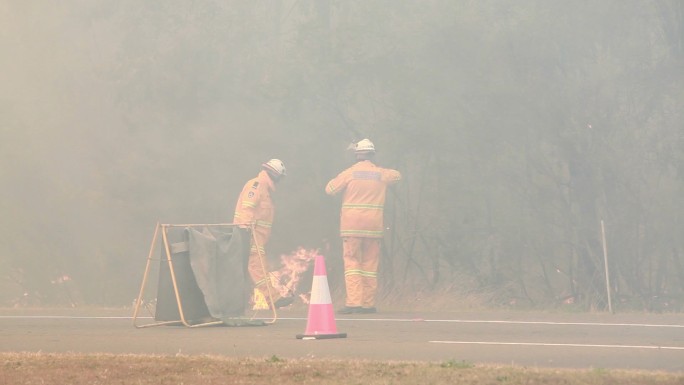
320, 336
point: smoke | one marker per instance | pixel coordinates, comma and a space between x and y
117, 115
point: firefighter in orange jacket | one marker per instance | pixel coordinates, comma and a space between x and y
254, 211
364, 186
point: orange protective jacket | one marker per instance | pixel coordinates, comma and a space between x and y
364, 185
255, 205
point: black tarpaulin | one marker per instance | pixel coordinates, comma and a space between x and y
217, 261
209, 268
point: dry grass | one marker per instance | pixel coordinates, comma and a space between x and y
78, 369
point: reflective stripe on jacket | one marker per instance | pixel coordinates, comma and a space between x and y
255, 205
364, 186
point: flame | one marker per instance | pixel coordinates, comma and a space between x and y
61, 279
293, 265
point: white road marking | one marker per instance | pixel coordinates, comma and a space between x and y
512, 322
457, 321
564, 345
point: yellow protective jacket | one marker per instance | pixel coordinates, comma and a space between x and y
255, 205
364, 185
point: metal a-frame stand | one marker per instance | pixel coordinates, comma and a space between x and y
179, 301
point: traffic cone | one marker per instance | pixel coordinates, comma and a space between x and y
320, 323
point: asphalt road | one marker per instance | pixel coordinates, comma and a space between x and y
628, 341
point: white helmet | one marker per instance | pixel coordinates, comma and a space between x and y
364, 146
276, 166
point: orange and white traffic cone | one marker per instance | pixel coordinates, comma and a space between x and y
320, 323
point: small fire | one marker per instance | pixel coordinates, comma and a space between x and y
61, 279
259, 301
293, 265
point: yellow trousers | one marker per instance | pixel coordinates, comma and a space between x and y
257, 267
361, 259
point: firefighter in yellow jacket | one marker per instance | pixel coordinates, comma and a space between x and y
254, 211
363, 187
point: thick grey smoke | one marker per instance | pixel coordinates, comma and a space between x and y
517, 126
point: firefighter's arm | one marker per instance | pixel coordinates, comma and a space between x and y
249, 201
391, 176
336, 185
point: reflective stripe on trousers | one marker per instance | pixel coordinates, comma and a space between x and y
361, 259
254, 263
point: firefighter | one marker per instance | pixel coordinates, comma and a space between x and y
254, 211
363, 187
